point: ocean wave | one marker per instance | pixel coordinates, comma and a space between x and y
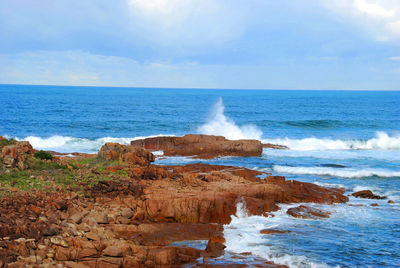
314, 124
335, 172
381, 141
65, 144
243, 235
220, 125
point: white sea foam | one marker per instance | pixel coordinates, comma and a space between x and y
221, 125
335, 172
243, 235
72, 144
381, 141
389, 155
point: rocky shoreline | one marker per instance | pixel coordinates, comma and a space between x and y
117, 209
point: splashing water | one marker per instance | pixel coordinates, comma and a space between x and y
221, 125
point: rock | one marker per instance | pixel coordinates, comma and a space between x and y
273, 231
117, 250
77, 217
16, 155
92, 236
305, 212
162, 257
59, 241
214, 249
71, 264
367, 194
126, 153
374, 205
127, 213
202, 146
100, 217
275, 146
391, 202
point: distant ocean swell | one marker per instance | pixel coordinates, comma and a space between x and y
336, 172
219, 124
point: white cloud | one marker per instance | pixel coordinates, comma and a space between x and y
381, 18
394, 58
188, 23
373, 9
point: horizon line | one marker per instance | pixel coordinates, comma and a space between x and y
197, 88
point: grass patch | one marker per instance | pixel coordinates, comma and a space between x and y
22, 180
42, 165
43, 155
6, 142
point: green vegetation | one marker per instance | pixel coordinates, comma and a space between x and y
43, 155
74, 175
22, 180
6, 142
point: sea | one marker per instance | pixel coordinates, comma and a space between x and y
346, 139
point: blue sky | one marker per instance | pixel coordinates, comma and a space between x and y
257, 44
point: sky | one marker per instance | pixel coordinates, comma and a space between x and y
232, 44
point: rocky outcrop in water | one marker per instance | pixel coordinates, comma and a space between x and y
367, 194
201, 146
306, 212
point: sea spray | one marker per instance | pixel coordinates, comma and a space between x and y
221, 125
72, 144
381, 141
243, 235
335, 172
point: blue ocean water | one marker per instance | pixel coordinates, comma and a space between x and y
347, 139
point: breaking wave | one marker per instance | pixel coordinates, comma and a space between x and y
221, 125
65, 144
243, 235
381, 141
335, 172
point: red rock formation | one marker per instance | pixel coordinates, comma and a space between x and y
126, 153
275, 146
202, 146
212, 197
16, 155
305, 212
367, 194
274, 231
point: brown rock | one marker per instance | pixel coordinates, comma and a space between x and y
305, 212
92, 236
391, 202
100, 217
367, 194
202, 146
275, 146
126, 153
214, 249
16, 155
127, 213
273, 231
109, 263
374, 205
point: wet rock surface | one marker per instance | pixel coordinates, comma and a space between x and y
201, 146
367, 194
305, 212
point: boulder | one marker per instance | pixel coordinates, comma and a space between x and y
126, 153
16, 155
201, 146
367, 194
305, 212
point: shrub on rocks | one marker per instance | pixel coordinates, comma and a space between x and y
43, 155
